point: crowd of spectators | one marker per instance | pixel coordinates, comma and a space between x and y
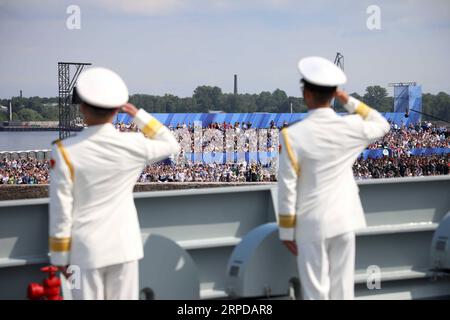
214, 125
24, 171
213, 172
400, 140
32, 171
123, 127
225, 145
227, 126
402, 166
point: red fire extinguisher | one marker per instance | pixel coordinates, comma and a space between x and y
49, 290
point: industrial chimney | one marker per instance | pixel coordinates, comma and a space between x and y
10, 110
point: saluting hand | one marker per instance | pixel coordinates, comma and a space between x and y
292, 247
130, 109
342, 96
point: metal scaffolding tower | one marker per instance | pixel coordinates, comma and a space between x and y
68, 114
339, 61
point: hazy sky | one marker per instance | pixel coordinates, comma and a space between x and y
172, 46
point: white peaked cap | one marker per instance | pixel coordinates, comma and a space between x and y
321, 72
102, 88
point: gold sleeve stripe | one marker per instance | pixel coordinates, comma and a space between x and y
59, 244
66, 158
287, 221
152, 128
363, 110
290, 152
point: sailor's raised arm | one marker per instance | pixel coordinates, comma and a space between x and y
61, 202
374, 125
288, 172
161, 142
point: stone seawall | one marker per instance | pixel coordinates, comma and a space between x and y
14, 192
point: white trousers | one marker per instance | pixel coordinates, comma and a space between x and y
327, 268
116, 282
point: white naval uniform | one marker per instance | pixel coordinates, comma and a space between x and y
93, 219
318, 199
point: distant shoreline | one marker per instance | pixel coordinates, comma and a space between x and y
30, 129
26, 129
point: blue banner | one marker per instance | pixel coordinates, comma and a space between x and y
266, 157
379, 153
258, 120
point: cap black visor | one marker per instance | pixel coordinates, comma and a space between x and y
316, 88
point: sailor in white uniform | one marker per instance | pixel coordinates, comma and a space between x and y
319, 207
93, 219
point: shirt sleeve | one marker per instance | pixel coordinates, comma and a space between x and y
60, 208
373, 125
161, 143
288, 173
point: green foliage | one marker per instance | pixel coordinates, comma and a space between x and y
436, 105
50, 113
27, 114
207, 98
3, 116
377, 97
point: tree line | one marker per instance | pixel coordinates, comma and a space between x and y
208, 98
